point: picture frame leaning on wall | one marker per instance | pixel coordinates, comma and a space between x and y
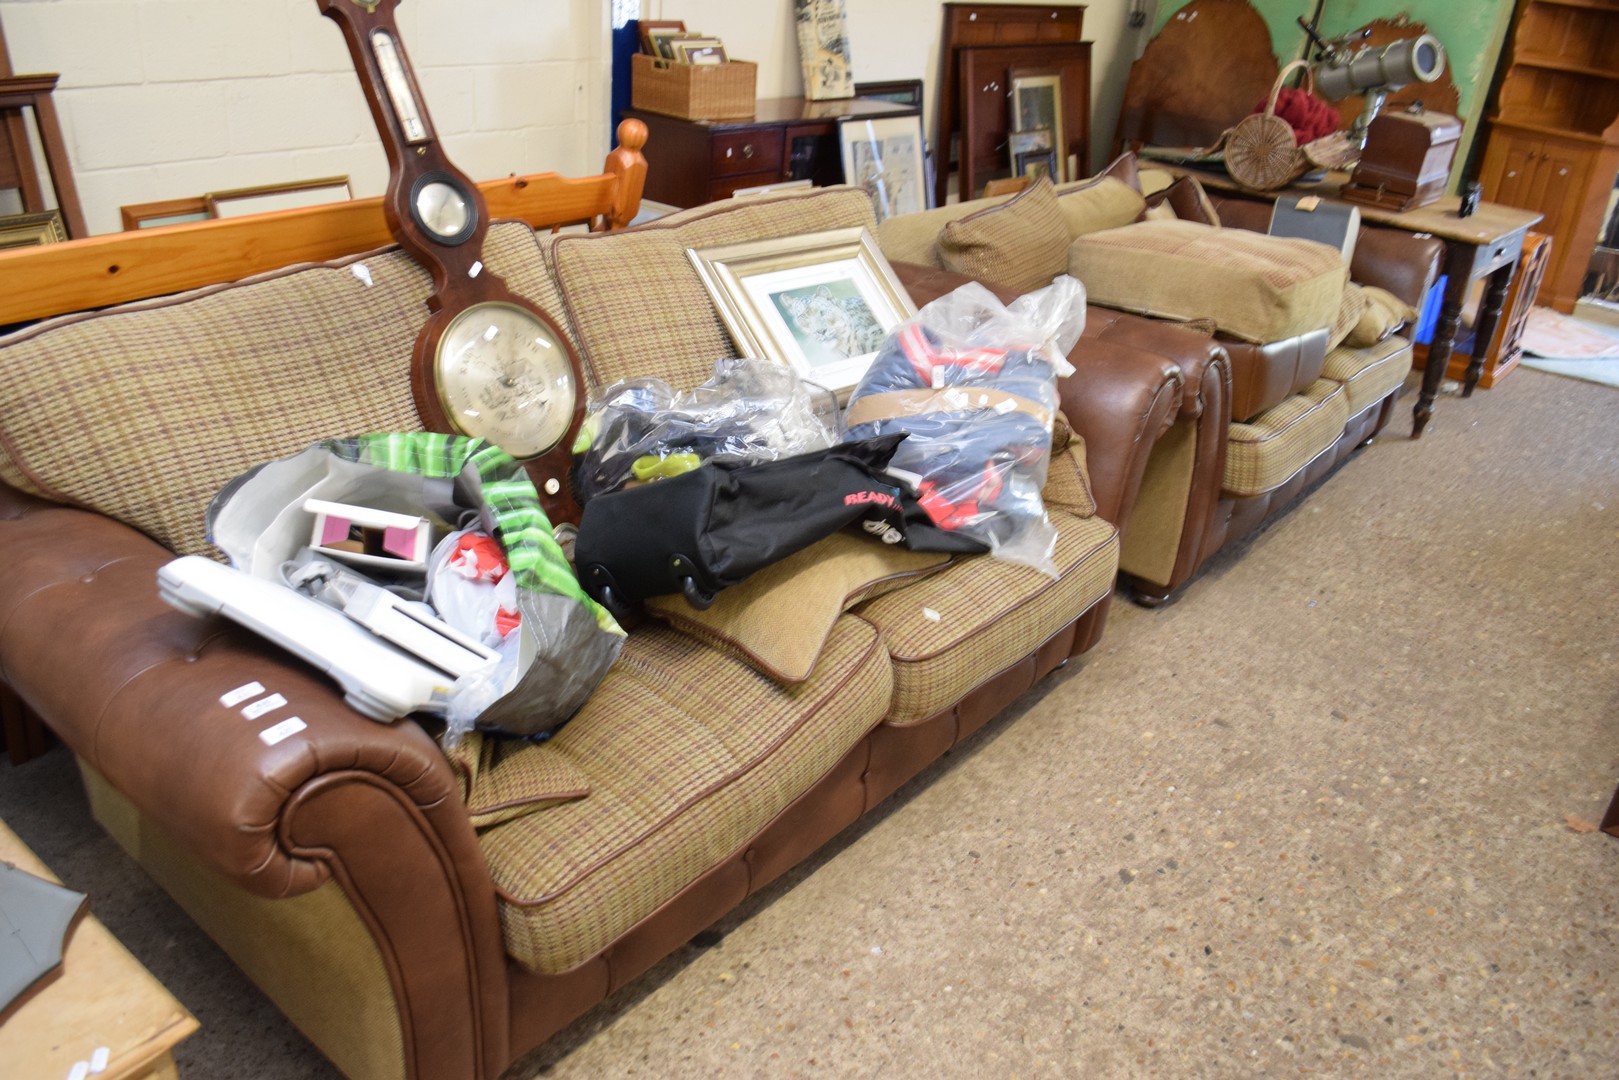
886, 157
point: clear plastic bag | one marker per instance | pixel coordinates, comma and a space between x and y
974, 384
640, 430
564, 642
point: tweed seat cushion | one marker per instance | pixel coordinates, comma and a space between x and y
688, 752
1256, 287
144, 412
1265, 453
938, 659
1369, 375
636, 303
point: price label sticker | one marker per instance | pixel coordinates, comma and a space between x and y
240, 694
264, 705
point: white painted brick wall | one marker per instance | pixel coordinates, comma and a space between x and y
164, 99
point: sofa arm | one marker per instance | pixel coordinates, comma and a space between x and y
1120, 400
134, 687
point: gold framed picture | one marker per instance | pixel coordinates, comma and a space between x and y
822, 303
30, 230
262, 198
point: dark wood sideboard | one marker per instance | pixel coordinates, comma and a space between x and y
692, 162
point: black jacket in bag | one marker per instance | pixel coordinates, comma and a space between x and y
710, 528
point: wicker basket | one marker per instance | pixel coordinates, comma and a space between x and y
1261, 152
693, 91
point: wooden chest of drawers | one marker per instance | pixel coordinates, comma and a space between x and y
691, 162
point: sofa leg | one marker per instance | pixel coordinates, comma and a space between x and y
1145, 593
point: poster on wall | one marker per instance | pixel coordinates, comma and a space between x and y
823, 49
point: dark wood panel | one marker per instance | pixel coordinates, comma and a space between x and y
986, 87
967, 25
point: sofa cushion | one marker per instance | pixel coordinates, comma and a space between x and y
689, 753
637, 305
1258, 288
1263, 455
932, 627
143, 412
1105, 203
914, 238
1381, 314
1068, 485
1185, 200
778, 619
1019, 244
1351, 308
1371, 373
500, 780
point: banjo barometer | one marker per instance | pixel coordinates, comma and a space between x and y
487, 363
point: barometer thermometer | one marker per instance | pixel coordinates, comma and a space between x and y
487, 363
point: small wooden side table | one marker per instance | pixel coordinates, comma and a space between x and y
102, 996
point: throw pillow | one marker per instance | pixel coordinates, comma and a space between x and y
778, 620
1105, 203
1187, 200
1384, 313
502, 779
1021, 244
1350, 309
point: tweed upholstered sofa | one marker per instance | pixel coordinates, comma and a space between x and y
409, 916
1278, 395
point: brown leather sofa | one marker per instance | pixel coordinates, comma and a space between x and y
408, 920
1260, 420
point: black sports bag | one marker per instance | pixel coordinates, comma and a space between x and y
710, 528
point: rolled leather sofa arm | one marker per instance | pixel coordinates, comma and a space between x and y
1120, 399
134, 687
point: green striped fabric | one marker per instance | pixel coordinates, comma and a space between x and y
520, 524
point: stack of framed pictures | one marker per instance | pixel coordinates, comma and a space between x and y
670, 41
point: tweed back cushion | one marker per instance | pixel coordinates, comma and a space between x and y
1104, 203
144, 412
635, 301
914, 238
1383, 314
1255, 287
1020, 244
